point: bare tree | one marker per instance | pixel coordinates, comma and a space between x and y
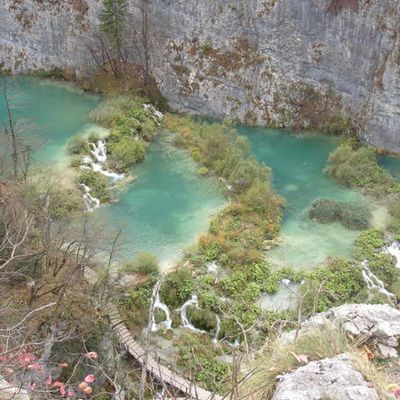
14, 135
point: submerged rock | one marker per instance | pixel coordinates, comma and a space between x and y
331, 378
377, 323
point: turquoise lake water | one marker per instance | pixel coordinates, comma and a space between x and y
163, 211
168, 205
57, 111
297, 162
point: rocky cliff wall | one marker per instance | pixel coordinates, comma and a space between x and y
285, 63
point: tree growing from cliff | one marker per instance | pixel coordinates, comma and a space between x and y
113, 23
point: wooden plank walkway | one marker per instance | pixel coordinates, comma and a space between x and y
160, 372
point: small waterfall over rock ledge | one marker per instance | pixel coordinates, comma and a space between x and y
373, 282
158, 304
91, 202
394, 250
99, 153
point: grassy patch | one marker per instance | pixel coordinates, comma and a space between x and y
279, 358
356, 166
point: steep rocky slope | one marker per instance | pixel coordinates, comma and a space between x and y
280, 62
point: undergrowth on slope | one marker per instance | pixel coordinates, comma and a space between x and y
280, 357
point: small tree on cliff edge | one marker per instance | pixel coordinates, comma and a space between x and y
113, 20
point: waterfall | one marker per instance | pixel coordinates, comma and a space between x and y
161, 306
212, 267
99, 153
394, 250
373, 282
157, 115
217, 329
286, 282
193, 301
91, 202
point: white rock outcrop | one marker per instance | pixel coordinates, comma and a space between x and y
376, 323
331, 378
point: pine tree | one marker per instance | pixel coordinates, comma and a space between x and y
113, 19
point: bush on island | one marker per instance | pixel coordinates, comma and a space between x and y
356, 166
351, 215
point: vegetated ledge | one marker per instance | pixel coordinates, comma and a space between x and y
221, 281
104, 159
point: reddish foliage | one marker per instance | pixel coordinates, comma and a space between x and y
79, 6
339, 5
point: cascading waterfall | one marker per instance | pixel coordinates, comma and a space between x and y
99, 152
394, 250
217, 329
158, 304
91, 202
373, 282
193, 301
157, 115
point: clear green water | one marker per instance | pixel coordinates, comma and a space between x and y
57, 111
168, 206
297, 163
163, 211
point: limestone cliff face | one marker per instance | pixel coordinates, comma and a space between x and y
293, 63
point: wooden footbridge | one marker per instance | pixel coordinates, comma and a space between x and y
161, 373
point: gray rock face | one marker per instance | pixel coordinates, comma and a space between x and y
378, 323
331, 378
302, 63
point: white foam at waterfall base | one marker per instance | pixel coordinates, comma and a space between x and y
373, 282
394, 250
99, 152
158, 304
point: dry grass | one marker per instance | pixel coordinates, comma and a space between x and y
260, 377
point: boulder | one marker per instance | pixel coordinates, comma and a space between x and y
331, 378
375, 323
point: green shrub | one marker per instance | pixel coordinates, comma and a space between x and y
177, 287
202, 319
78, 145
108, 109
98, 184
202, 171
336, 283
351, 215
369, 246
356, 166
126, 153
198, 355
147, 263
